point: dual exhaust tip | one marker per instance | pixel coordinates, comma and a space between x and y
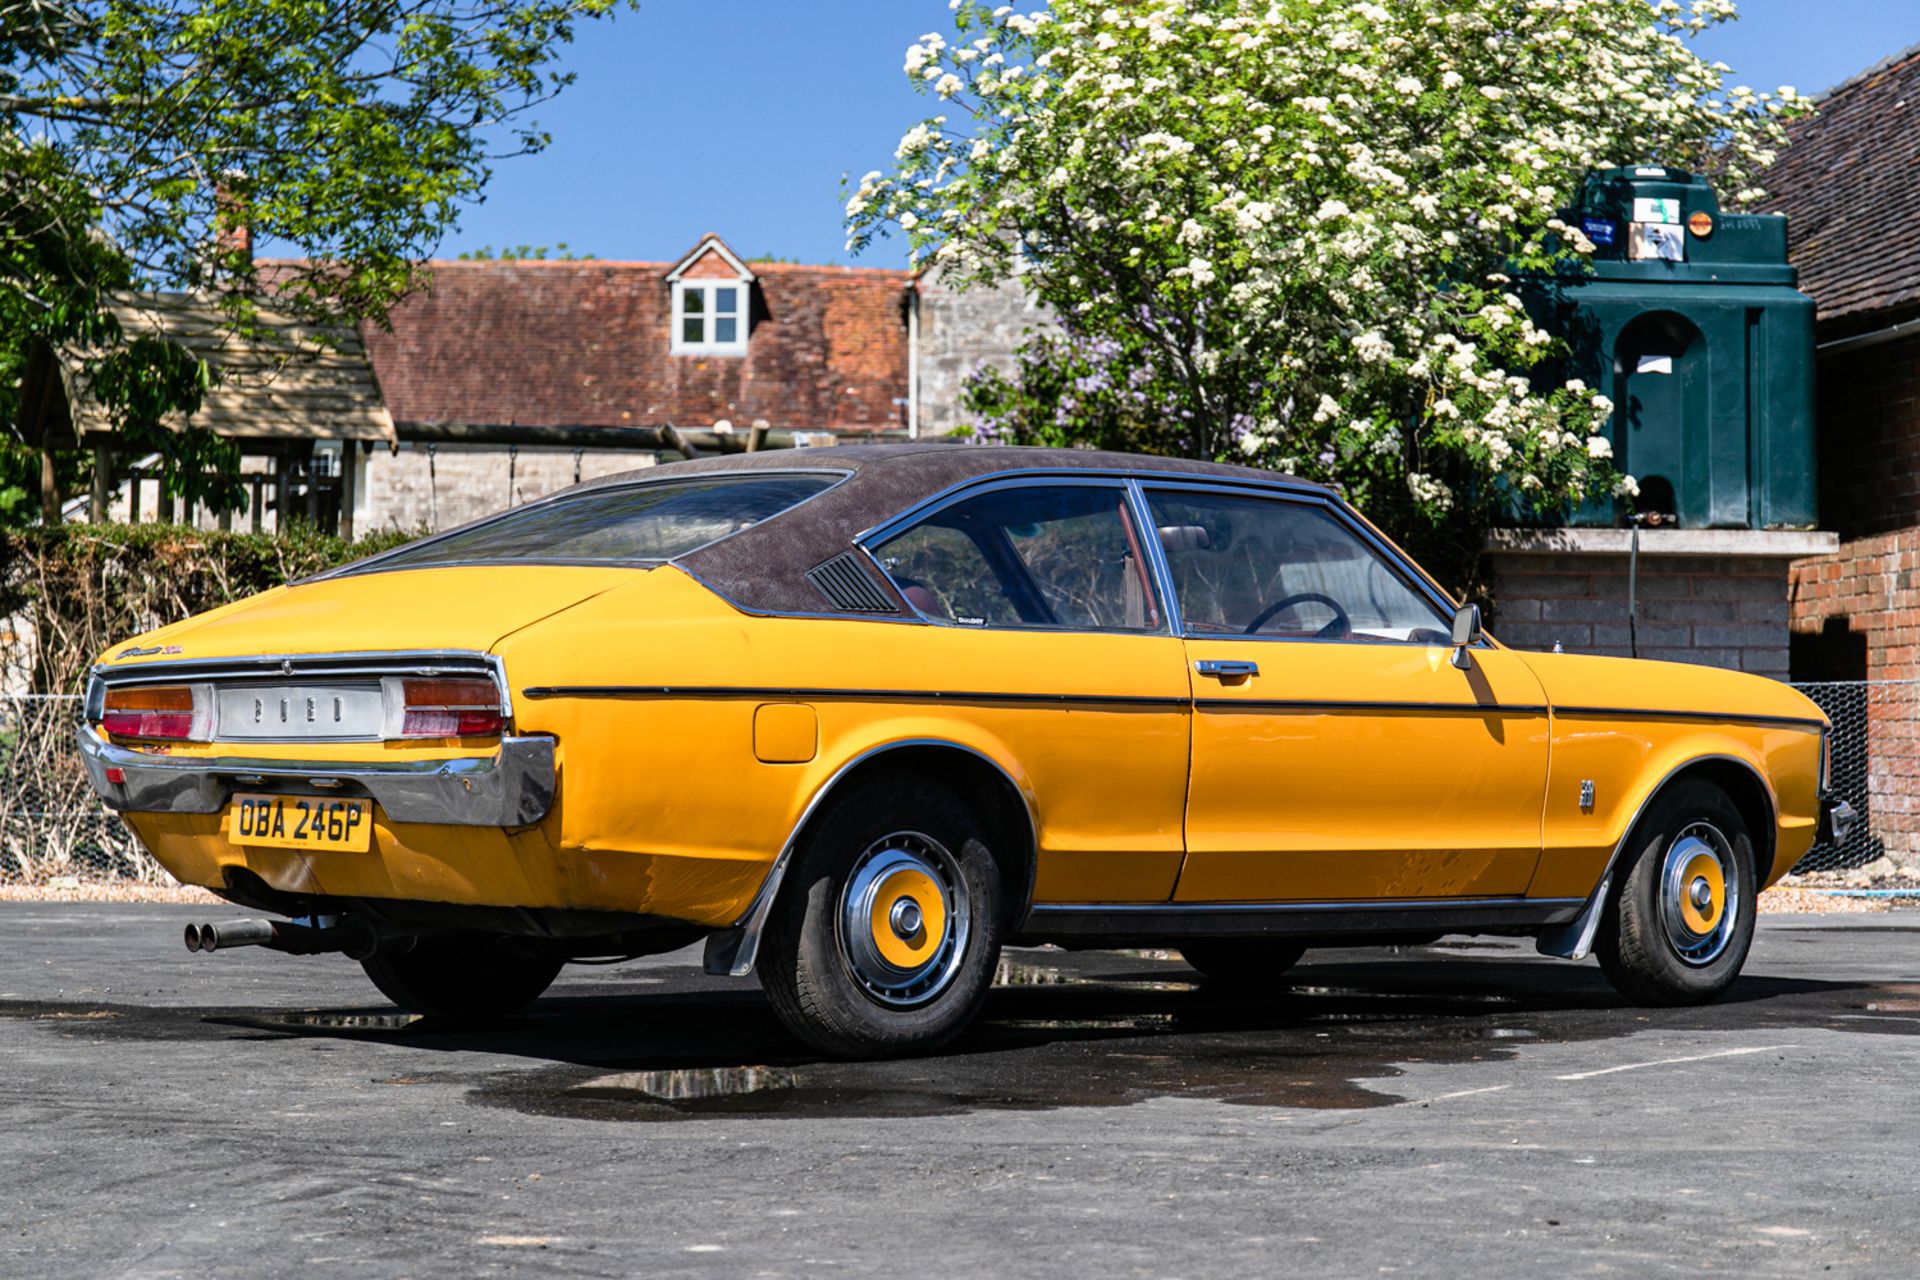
234, 933
355, 937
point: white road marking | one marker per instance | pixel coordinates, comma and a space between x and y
1670, 1062
1460, 1093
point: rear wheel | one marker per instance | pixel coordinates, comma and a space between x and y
887, 930
466, 979
1242, 962
1677, 927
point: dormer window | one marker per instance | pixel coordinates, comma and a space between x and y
710, 317
712, 301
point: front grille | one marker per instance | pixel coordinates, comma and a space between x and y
847, 585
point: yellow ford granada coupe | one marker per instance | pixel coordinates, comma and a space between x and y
857, 717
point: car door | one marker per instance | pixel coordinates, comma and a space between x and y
1338, 754
1052, 641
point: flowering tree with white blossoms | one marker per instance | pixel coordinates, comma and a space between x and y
1286, 231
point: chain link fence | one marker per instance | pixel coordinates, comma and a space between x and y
1876, 761
53, 830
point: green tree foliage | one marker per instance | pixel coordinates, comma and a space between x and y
143, 142
1286, 231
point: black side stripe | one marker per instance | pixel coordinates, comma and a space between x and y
1088, 700
1283, 706
1725, 717
1301, 707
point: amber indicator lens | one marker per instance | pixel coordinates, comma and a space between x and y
170, 711
439, 707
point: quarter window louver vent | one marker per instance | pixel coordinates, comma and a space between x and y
844, 582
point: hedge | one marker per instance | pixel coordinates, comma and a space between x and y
67, 593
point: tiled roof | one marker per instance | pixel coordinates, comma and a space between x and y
586, 343
1850, 186
290, 382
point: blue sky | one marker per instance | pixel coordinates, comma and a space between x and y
740, 116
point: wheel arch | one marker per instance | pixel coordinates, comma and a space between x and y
1005, 805
1738, 778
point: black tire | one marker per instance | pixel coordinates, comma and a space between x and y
1242, 962
896, 839
1647, 942
467, 979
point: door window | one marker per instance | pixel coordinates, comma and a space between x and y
1065, 556
1245, 565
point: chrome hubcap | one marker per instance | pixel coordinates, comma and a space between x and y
904, 919
1699, 893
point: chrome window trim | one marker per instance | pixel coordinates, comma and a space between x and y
1397, 564
374, 563
953, 492
869, 544
732, 951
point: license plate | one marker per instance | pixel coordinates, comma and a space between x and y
301, 822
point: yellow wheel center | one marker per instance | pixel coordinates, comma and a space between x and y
909, 919
1703, 917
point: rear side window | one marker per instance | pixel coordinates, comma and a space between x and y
655, 521
1063, 556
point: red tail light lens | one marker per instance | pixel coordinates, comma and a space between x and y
170, 712
443, 707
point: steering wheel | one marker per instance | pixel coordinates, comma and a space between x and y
1340, 626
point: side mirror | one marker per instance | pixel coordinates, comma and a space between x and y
1466, 631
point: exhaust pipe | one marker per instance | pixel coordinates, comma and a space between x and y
234, 933
325, 934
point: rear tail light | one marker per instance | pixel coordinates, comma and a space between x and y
442, 707
170, 712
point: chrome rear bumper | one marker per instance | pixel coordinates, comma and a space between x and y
511, 789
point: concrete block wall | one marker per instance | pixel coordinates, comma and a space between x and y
1717, 611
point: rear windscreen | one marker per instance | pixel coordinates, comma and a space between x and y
655, 521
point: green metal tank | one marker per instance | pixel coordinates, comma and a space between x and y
1689, 320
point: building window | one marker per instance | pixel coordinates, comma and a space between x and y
709, 317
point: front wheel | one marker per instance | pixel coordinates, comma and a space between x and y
1677, 928
466, 979
887, 932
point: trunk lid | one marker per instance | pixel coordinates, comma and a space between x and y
467, 607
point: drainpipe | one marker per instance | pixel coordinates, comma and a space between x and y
913, 361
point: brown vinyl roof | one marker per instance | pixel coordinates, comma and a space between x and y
549, 343
1850, 184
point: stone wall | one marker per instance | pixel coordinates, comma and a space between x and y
959, 332
413, 489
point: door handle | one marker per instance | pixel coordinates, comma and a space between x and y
1227, 668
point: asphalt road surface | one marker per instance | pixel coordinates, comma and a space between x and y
1467, 1109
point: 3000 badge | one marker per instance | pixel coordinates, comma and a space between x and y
301, 822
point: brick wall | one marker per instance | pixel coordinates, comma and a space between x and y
1869, 445
1718, 611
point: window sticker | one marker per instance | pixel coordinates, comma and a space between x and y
1650, 241
1664, 209
1598, 230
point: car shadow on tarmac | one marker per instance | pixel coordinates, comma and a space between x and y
1060, 1030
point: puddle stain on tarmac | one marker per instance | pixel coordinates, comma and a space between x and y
1087, 1030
